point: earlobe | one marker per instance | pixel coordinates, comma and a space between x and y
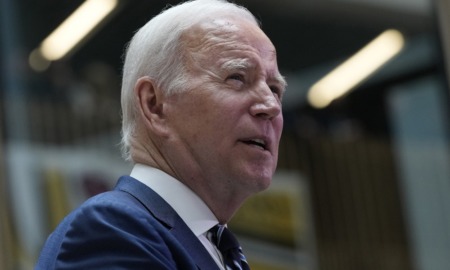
150, 102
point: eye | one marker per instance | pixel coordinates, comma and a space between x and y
236, 77
276, 90
236, 80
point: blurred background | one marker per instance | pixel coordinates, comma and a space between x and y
364, 170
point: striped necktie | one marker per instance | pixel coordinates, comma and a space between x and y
228, 245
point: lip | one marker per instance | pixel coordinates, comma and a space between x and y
263, 142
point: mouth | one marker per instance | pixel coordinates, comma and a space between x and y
260, 143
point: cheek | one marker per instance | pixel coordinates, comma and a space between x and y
278, 125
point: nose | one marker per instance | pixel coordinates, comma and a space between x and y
267, 105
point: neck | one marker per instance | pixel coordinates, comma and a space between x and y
223, 201
147, 153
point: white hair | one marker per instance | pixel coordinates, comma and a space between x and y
156, 51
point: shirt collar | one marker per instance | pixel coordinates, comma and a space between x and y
192, 210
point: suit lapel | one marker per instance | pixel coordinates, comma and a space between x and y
163, 212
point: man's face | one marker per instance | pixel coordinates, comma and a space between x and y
227, 125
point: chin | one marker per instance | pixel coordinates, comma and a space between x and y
262, 182
257, 178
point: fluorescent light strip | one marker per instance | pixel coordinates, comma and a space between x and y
356, 69
77, 26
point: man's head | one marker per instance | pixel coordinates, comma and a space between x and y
155, 51
202, 101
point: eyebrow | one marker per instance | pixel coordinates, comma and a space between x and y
240, 64
281, 81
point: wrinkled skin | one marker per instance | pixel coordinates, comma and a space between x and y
222, 132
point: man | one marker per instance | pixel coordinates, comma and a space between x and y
201, 101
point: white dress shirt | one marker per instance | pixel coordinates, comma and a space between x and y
192, 210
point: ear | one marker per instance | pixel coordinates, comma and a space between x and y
150, 102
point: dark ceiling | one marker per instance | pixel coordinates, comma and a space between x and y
306, 33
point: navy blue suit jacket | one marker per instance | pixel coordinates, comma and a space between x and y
130, 227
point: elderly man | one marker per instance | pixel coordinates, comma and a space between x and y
201, 100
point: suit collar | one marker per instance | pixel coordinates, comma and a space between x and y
165, 214
189, 206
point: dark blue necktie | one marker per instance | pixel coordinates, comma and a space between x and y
228, 245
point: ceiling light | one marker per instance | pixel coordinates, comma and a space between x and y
356, 69
73, 30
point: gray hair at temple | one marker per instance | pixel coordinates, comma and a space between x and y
156, 51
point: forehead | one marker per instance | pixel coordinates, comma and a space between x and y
229, 37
